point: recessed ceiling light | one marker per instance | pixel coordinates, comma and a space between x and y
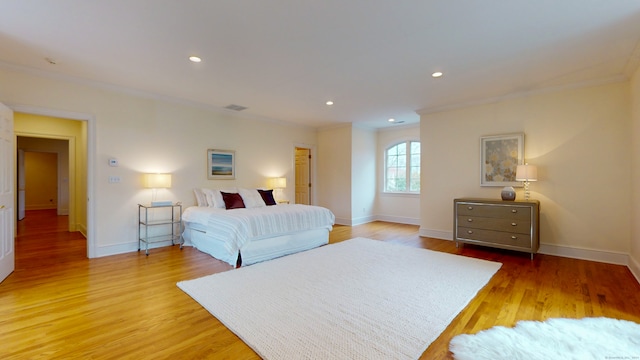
195, 59
437, 74
329, 103
392, 120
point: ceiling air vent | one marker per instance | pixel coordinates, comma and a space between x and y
235, 107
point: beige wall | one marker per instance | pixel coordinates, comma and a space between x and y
351, 162
635, 179
402, 208
363, 175
152, 135
580, 141
41, 185
334, 170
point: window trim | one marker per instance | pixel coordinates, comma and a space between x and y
407, 142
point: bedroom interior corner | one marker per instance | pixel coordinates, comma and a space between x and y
97, 307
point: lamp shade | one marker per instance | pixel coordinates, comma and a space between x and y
157, 181
527, 173
278, 183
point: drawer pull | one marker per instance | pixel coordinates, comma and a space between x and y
513, 237
469, 220
469, 232
470, 208
514, 224
514, 211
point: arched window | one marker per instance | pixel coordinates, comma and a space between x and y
402, 167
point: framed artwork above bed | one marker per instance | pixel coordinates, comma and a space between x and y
500, 155
221, 164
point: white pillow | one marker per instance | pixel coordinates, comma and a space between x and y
201, 198
251, 198
214, 197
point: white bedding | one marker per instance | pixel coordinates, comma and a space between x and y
237, 228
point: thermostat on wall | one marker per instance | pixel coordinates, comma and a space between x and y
113, 162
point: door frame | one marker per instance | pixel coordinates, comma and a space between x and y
91, 155
312, 169
71, 171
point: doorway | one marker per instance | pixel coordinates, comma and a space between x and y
43, 175
303, 175
69, 139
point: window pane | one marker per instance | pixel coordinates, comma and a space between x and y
415, 179
402, 160
402, 167
392, 161
402, 148
415, 147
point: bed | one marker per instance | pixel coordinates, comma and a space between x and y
253, 231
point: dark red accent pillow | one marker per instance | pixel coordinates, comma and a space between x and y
232, 200
267, 197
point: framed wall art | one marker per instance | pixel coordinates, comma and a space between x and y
221, 164
500, 156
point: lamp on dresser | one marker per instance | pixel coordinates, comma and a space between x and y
526, 173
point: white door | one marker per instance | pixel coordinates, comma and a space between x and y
7, 161
302, 176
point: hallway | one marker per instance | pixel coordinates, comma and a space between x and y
43, 239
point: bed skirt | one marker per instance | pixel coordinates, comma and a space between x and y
257, 250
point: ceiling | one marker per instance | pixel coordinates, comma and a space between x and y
283, 59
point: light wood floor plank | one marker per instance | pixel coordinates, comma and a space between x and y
58, 304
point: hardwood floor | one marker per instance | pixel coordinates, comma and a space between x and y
59, 304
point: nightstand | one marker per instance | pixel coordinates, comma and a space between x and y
159, 223
282, 201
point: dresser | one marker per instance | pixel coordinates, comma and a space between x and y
512, 225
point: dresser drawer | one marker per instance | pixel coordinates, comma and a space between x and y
494, 211
520, 226
512, 225
495, 237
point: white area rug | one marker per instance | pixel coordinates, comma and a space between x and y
358, 299
580, 339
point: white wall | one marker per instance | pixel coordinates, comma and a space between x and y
580, 141
401, 208
147, 134
334, 171
363, 175
350, 161
634, 263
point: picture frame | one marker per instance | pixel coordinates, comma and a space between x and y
221, 164
500, 156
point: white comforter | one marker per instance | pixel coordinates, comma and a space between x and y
237, 227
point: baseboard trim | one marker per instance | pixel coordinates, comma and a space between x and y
436, 234
363, 220
634, 267
82, 229
398, 219
609, 257
117, 249
372, 218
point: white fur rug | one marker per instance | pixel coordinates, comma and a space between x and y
579, 339
357, 299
